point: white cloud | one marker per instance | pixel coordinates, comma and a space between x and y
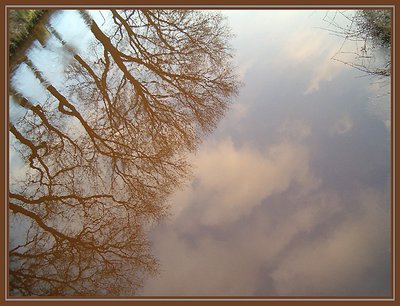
334, 60
342, 259
234, 265
19, 168
243, 66
237, 111
311, 51
211, 267
239, 227
343, 125
229, 183
25, 82
238, 179
77, 36
327, 71
266, 247
304, 45
180, 200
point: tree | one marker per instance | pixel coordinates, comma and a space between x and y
104, 153
375, 25
21, 22
370, 31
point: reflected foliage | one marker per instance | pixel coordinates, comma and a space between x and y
104, 152
21, 23
370, 30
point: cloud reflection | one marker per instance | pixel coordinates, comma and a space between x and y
290, 197
236, 180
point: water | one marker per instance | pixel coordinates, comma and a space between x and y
288, 195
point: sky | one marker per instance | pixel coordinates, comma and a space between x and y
290, 195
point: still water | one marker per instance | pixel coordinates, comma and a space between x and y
152, 153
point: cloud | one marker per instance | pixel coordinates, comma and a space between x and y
304, 245
243, 67
19, 168
327, 71
312, 51
304, 45
24, 80
78, 37
343, 125
332, 63
343, 261
211, 267
230, 183
255, 222
235, 180
237, 111
259, 221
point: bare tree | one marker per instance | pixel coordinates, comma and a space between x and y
370, 31
104, 153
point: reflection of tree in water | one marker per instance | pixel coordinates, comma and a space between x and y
104, 154
370, 32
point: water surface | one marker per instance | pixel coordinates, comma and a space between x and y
289, 195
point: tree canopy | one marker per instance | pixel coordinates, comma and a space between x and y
103, 153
